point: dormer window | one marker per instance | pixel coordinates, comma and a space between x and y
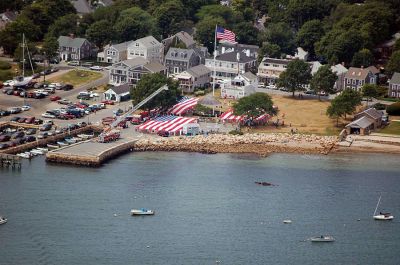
137, 44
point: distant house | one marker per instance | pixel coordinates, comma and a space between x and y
195, 77
225, 2
228, 65
355, 78
7, 17
118, 93
340, 72
300, 54
114, 53
178, 60
148, 48
270, 69
131, 71
385, 50
228, 47
179, 38
75, 49
394, 86
81, 6
365, 121
241, 86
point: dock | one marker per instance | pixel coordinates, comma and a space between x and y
91, 153
10, 161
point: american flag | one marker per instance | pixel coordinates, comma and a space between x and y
169, 123
224, 34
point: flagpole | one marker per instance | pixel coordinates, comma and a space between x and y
215, 55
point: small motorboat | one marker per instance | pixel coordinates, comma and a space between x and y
44, 150
76, 139
26, 155
53, 146
287, 221
85, 136
142, 211
62, 143
70, 140
37, 151
322, 239
263, 183
2, 220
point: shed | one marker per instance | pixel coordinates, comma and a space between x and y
118, 93
361, 126
191, 129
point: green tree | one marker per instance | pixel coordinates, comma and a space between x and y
300, 11
396, 46
50, 47
310, 33
345, 103
323, 80
100, 32
150, 83
269, 50
134, 23
296, 76
369, 91
393, 64
245, 33
169, 17
282, 35
205, 31
218, 11
254, 105
363, 57
336, 110
64, 26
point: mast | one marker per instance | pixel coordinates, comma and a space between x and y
23, 54
377, 205
215, 55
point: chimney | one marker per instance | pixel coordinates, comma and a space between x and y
238, 56
223, 50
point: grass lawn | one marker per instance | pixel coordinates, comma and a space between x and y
392, 128
76, 77
307, 115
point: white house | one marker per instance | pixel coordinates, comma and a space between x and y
241, 86
114, 53
118, 93
340, 72
148, 48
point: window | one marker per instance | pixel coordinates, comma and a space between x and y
348, 81
394, 94
113, 53
354, 82
275, 65
141, 53
232, 65
108, 52
136, 44
136, 53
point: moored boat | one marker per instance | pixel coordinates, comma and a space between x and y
70, 140
3, 220
142, 211
322, 239
62, 143
53, 146
37, 151
44, 150
26, 155
382, 216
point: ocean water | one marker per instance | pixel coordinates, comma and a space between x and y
208, 210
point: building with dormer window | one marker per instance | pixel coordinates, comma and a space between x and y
178, 60
147, 48
355, 78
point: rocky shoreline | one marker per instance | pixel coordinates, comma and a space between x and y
260, 144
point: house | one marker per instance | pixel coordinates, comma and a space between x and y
385, 50
355, 78
75, 49
225, 2
270, 69
195, 77
82, 7
300, 54
7, 17
148, 48
228, 65
375, 71
394, 86
340, 72
131, 71
228, 47
178, 60
365, 121
181, 39
114, 53
241, 86
118, 93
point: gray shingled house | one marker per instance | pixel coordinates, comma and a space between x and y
394, 86
195, 77
74, 49
178, 60
114, 53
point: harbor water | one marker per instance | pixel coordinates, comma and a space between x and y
208, 210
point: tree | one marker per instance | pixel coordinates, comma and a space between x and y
245, 33
218, 11
100, 32
369, 91
50, 47
336, 110
296, 76
393, 64
63, 26
310, 33
269, 50
205, 31
363, 57
169, 17
282, 35
343, 104
323, 80
150, 83
396, 46
254, 105
300, 11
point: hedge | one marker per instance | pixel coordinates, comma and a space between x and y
5, 65
393, 109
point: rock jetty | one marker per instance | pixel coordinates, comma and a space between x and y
261, 144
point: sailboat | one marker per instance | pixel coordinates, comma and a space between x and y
381, 216
21, 81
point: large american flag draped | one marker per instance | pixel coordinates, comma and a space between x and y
224, 34
168, 123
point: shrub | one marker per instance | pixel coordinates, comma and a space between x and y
235, 132
6, 75
379, 106
5, 65
393, 109
199, 93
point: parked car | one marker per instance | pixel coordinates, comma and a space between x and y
39, 95
284, 89
50, 89
15, 118
38, 85
4, 138
48, 115
163, 133
4, 112
9, 83
38, 121
21, 120
15, 110
30, 131
108, 102
73, 63
42, 135
96, 68
55, 98
48, 122
4, 146
10, 92
64, 101
30, 120
30, 138
67, 87
17, 135
45, 127
26, 107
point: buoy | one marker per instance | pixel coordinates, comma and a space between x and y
115, 215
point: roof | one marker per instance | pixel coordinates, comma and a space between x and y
276, 61
121, 46
232, 57
155, 67
315, 65
148, 41
135, 61
186, 38
238, 46
373, 69
65, 41
339, 69
179, 54
209, 100
198, 70
372, 113
357, 73
395, 78
249, 76
122, 89
9, 15
362, 122
81, 6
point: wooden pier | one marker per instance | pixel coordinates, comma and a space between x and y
10, 161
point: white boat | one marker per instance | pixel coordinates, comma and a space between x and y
287, 221
53, 146
36, 151
85, 136
382, 216
26, 155
322, 239
44, 150
62, 143
70, 140
76, 139
142, 211
22, 81
2, 220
